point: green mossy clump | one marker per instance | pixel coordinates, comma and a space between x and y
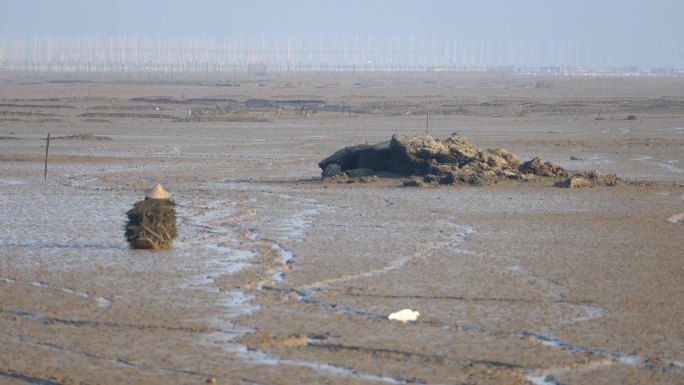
151, 224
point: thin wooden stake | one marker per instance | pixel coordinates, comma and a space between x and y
427, 122
47, 149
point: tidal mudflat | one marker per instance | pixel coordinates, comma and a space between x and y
278, 278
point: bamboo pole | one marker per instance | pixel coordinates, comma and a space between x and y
47, 149
427, 122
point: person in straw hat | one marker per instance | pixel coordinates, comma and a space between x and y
152, 222
156, 192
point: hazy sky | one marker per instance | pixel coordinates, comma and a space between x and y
634, 32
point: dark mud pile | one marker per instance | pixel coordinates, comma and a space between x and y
151, 224
452, 161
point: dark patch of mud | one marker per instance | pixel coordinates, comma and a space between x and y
13, 105
169, 100
226, 118
83, 137
69, 81
24, 113
231, 110
27, 378
272, 103
124, 115
123, 108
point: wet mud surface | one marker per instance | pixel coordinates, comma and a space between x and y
278, 278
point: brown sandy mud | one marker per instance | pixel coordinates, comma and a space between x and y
277, 278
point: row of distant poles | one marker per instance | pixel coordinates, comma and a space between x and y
132, 53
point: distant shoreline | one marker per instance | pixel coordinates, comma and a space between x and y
236, 74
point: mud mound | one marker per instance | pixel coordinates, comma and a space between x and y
589, 179
151, 224
451, 161
539, 167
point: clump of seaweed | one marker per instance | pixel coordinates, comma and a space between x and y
152, 223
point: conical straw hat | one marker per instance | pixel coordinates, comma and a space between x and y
157, 192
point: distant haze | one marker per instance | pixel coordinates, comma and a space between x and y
595, 33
